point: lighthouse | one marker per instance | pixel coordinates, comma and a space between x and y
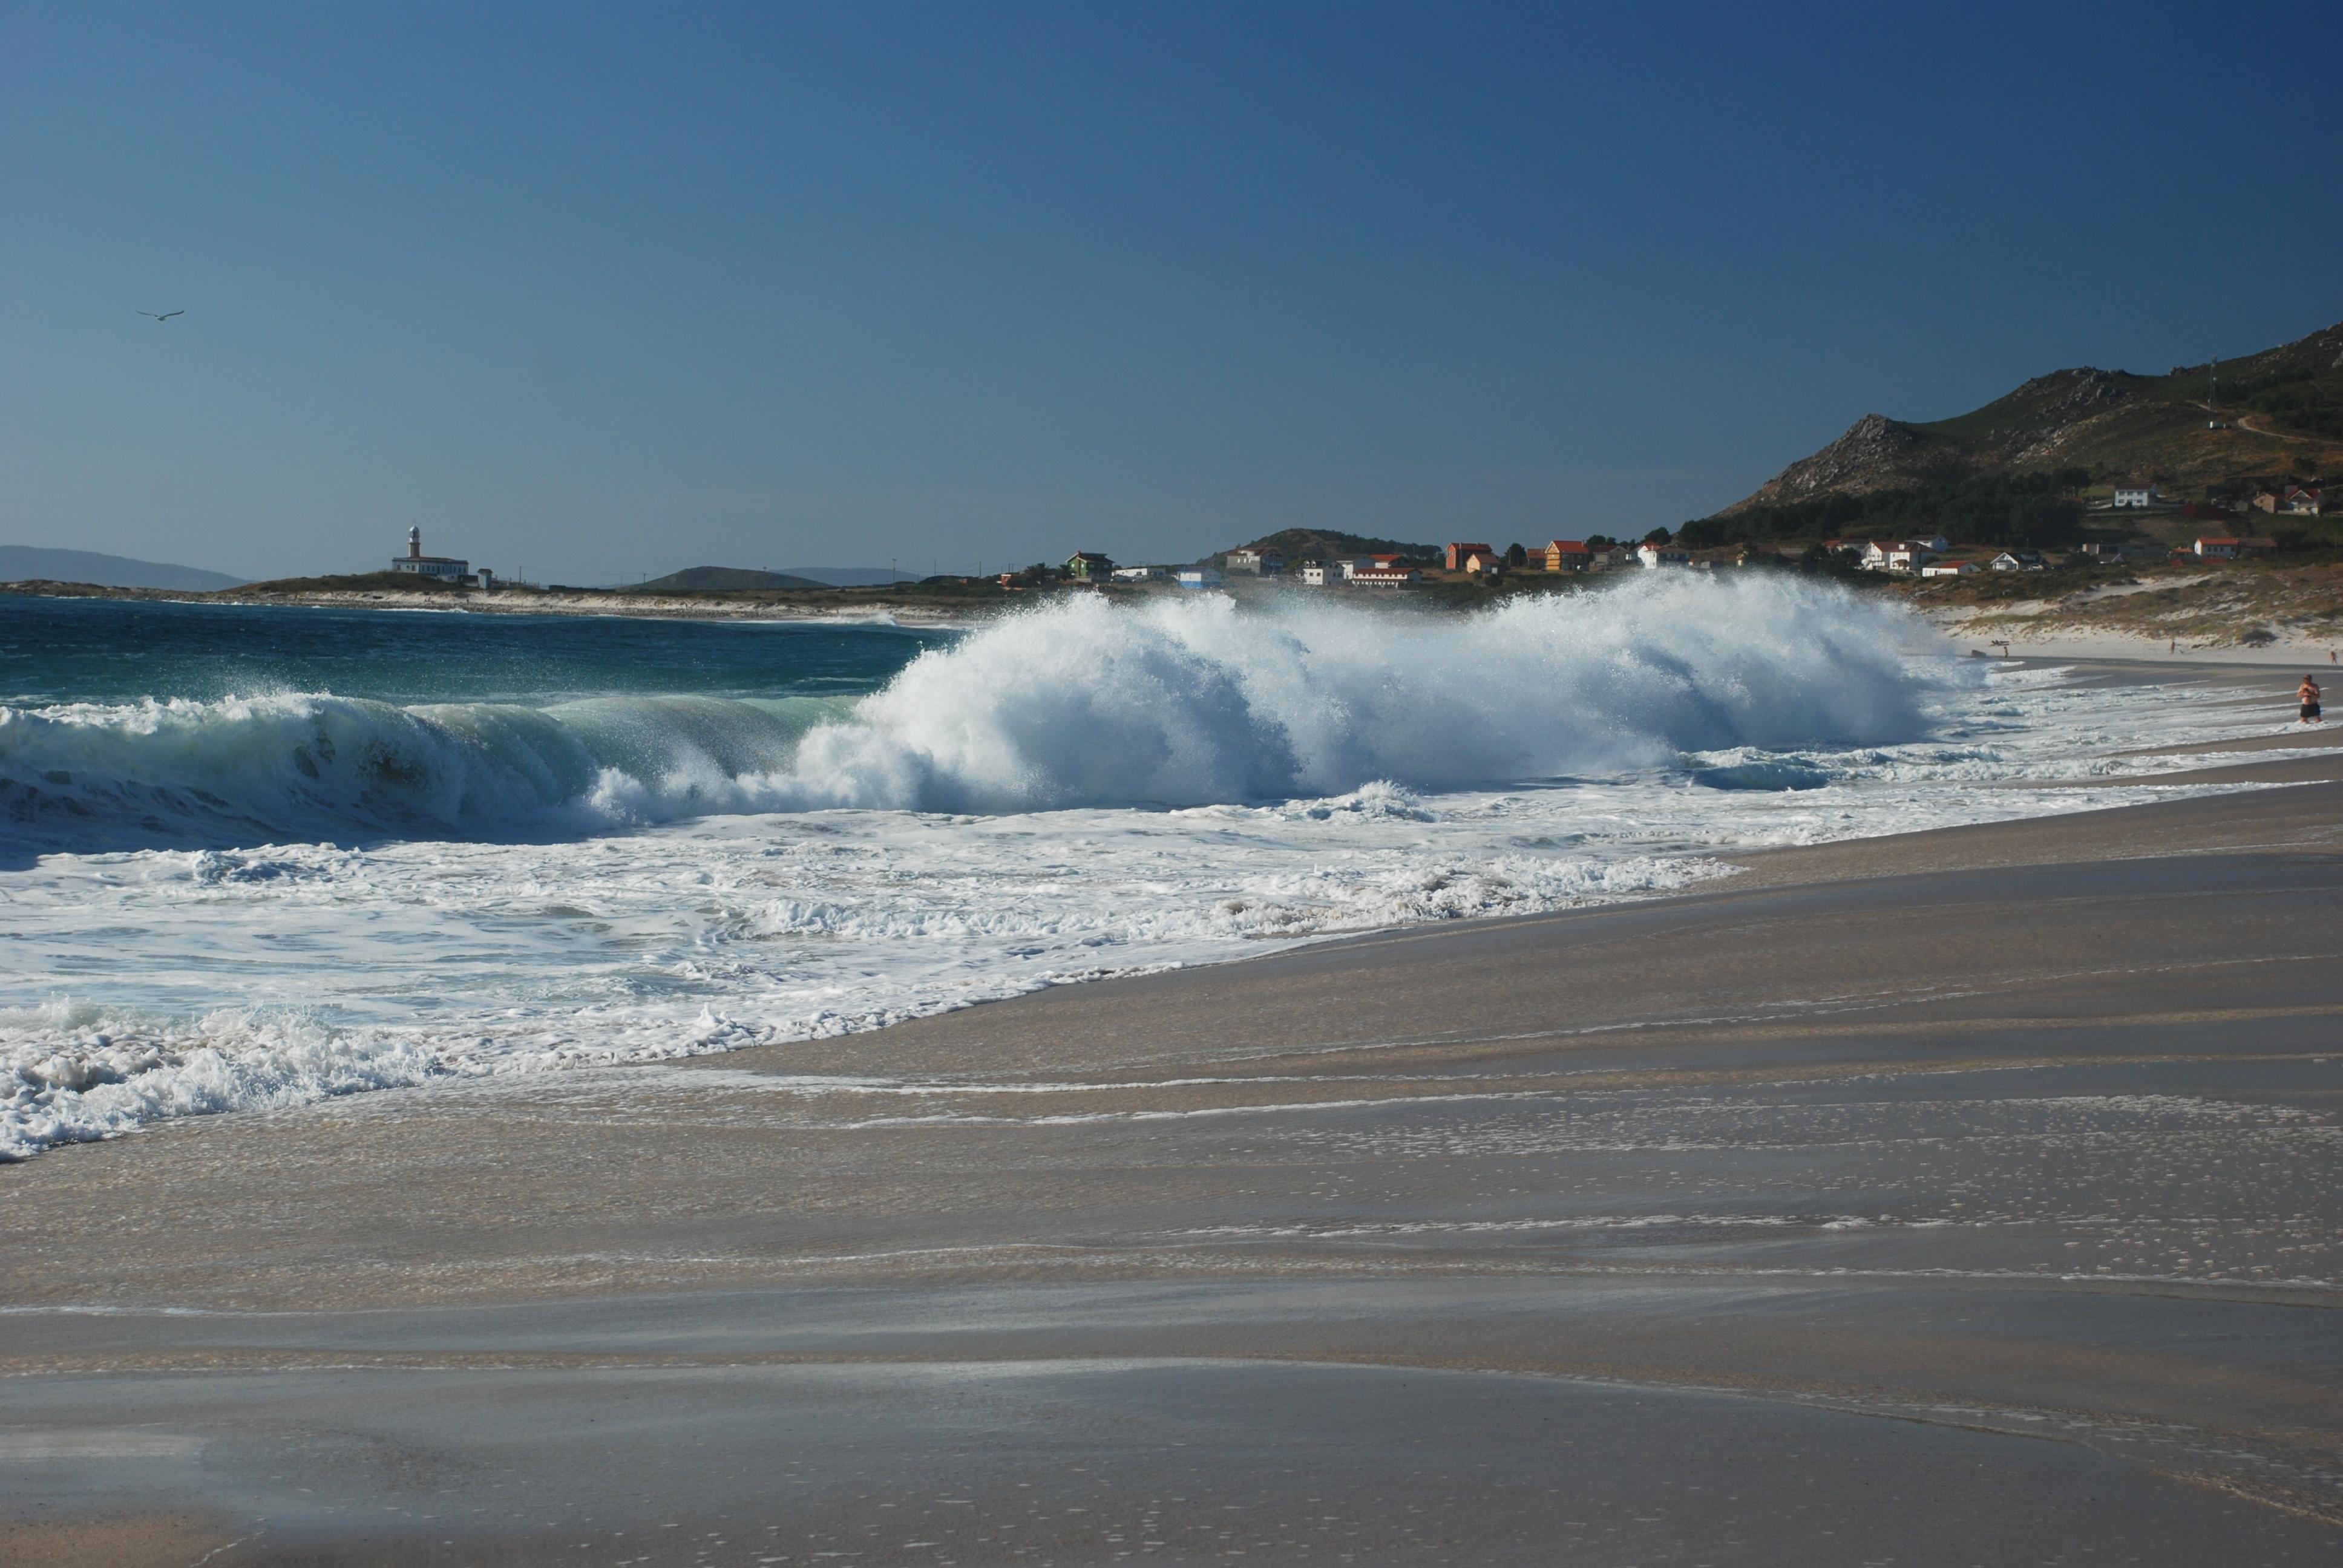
448, 566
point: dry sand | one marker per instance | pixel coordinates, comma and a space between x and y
1966, 1198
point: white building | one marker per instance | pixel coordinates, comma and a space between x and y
1257, 563
1324, 573
1353, 565
1902, 556
1658, 555
1139, 574
421, 565
1199, 577
2017, 561
1951, 569
1386, 576
2137, 496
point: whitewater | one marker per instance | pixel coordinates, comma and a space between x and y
252, 858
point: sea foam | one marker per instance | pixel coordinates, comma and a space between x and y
1082, 702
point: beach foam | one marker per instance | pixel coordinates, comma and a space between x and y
261, 903
1184, 702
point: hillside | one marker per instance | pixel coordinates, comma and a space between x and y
724, 579
349, 582
25, 563
1312, 544
2281, 410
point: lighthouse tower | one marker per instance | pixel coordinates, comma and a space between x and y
415, 562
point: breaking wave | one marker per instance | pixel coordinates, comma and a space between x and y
1184, 702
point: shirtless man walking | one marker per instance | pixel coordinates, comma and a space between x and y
2308, 694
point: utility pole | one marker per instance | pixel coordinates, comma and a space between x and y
2213, 397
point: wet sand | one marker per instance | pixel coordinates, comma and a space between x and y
1965, 1198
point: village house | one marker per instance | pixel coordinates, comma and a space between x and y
2131, 493
1951, 569
1457, 553
1256, 563
1899, 556
1482, 563
1088, 566
1139, 574
1325, 574
2225, 548
1199, 577
2269, 498
446, 568
1654, 554
2018, 562
2309, 500
1568, 556
1379, 576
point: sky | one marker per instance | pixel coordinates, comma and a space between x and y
590, 292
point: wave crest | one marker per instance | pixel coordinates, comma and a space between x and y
1182, 702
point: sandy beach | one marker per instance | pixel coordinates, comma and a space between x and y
1961, 1196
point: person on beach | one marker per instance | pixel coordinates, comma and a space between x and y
2308, 693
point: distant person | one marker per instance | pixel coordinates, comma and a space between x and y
2309, 694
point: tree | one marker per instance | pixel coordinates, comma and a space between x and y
1515, 555
1657, 536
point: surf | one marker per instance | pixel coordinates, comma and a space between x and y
1080, 702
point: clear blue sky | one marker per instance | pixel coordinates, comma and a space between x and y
599, 291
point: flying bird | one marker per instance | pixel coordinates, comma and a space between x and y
165, 317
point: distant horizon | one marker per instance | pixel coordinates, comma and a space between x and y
587, 301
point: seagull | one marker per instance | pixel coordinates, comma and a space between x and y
165, 317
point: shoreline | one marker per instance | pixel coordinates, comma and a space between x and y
2034, 630
1949, 1162
877, 609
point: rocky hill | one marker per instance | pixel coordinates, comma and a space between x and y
2278, 411
1319, 544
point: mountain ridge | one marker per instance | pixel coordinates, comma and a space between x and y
724, 579
2276, 411
35, 563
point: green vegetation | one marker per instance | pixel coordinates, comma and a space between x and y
2310, 405
2280, 410
2036, 510
1316, 544
357, 582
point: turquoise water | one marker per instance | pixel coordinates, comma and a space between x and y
114, 651
132, 725
257, 856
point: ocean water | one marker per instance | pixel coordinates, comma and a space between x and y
255, 857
